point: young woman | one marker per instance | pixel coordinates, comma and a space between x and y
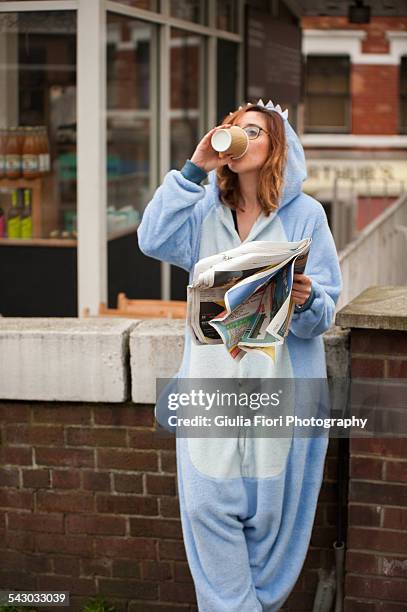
248, 503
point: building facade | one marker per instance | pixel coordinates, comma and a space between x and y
99, 99
354, 117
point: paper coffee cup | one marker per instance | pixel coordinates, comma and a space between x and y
230, 141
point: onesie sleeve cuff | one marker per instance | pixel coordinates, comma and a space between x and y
307, 304
193, 173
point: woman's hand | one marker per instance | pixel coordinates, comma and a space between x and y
205, 156
301, 289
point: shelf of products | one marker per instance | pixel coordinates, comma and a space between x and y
24, 152
26, 208
38, 205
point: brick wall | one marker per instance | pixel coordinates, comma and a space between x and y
376, 560
375, 99
88, 504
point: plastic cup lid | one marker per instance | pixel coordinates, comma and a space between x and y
221, 140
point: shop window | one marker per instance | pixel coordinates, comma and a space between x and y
189, 10
403, 95
38, 126
129, 124
227, 66
187, 100
226, 15
327, 94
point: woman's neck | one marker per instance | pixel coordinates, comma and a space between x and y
248, 191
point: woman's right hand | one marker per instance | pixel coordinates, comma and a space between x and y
205, 156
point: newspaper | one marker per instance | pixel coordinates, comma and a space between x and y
242, 297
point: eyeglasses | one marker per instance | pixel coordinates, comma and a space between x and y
253, 131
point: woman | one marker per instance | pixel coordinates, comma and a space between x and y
248, 504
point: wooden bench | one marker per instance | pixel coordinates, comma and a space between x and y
143, 309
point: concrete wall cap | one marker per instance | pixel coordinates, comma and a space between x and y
381, 307
159, 327
55, 325
65, 359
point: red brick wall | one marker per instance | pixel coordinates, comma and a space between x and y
376, 560
375, 99
88, 504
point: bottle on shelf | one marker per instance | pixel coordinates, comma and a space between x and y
13, 154
26, 216
40, 146
14, 217
30, 157
41, 149
45, 162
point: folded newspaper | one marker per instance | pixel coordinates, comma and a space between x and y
242, 297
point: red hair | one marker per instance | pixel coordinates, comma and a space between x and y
271, 181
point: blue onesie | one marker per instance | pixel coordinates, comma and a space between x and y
248, 503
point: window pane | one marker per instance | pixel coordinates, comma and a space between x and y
327, 83
187, 98
189, 10
38, 117
326, 112
327, 75
226, 17
227, 66
327, 96
128, 119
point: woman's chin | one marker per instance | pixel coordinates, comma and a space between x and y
235, 165
238, 166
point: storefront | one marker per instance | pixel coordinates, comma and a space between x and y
98, 100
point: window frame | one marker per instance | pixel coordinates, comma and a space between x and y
326, 129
